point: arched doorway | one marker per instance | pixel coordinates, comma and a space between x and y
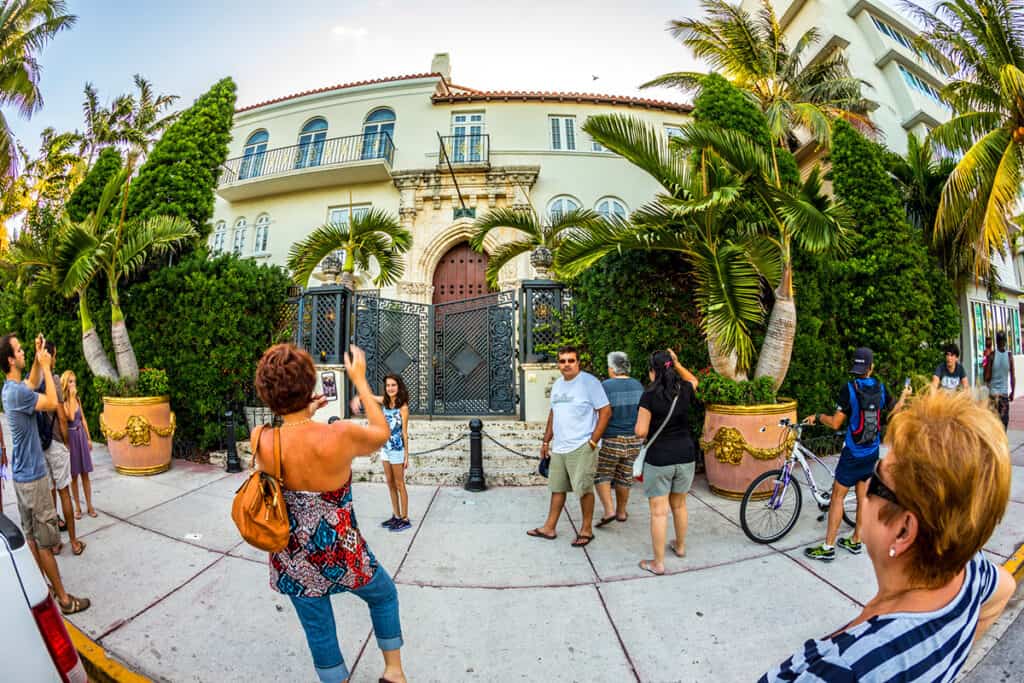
460, 274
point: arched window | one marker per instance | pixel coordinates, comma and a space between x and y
611, 206
252, 156
238, 245
561, 205
262, 234
220, 233
378, 134
311, 143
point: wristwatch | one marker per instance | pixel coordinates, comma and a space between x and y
592, 443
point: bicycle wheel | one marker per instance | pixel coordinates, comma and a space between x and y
850, 508
769, 519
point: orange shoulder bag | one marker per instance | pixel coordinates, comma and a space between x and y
259, 510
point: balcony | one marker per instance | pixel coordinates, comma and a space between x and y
336, 161
462, 151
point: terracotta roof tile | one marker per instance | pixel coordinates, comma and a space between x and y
389, 79
546, 96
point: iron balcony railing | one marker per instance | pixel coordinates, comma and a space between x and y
466, 149
330, 152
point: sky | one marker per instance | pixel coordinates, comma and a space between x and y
274, 48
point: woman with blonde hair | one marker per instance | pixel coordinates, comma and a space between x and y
326, 553
75, 431
933, 502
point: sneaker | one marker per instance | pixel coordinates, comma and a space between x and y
848, 544
401, 525
820, 553
389, 523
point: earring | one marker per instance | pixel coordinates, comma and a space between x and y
892, 551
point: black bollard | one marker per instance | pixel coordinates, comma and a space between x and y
476, 482
233, 463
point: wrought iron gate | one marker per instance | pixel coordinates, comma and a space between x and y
456, 358
473, 356
396, 338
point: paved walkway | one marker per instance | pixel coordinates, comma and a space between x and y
177, 597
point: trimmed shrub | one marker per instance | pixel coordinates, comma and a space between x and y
86, 196
888, 291
207, 336
180, 174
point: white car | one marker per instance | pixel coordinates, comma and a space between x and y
30, 620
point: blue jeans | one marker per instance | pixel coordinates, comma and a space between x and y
317, 620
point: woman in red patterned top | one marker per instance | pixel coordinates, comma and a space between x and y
326, 553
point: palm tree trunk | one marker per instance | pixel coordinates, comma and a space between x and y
124, 354
725, 364
95, 356
773, 360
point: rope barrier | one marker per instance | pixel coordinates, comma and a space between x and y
510, 450
441, 448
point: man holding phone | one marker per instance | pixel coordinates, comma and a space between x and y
31, 481
863, 399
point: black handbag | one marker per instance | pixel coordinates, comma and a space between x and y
542, 468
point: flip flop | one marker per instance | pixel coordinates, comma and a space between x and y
672, 545
75, 605
622, 519
646, 566
537, 533
580, 537
93, 513
605, 520
81, 548
78, 514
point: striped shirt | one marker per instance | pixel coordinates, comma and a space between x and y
904, 646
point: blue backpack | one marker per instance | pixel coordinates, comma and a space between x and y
866, 421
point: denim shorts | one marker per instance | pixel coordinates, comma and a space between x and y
852, 468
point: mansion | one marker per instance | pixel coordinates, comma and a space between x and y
436, 155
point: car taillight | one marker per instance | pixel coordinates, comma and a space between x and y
58, 642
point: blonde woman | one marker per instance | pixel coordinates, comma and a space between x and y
76, 435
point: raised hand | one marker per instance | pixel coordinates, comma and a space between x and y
355, 363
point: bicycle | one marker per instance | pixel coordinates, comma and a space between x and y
767, 517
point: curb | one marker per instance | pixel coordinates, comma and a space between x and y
100, 667
1015, 564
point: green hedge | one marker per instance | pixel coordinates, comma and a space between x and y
206, 322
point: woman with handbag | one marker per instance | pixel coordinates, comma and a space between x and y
325, 552
667, 458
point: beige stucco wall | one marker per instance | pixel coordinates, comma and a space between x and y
523, 171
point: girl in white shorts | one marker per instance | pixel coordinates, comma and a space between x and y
395, 454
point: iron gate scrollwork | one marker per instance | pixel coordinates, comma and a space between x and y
396, 338
474, 356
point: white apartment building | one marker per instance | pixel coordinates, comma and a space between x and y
878, 43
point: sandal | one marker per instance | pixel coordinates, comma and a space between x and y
582, 540
78, 514
79, 550
676, 552
92, 513
605, 520
646, 566
537, 533
622, 519
74, 605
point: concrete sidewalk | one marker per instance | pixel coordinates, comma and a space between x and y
177, 596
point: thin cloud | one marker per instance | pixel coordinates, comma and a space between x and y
355, 32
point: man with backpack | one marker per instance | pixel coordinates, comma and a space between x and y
863, 400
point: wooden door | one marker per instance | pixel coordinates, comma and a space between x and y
460, 275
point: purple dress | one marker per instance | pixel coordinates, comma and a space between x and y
78, 444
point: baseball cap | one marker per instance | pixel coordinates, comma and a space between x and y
862, 360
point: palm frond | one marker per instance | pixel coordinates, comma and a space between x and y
640, 144
306, 254
502, 255
525, 221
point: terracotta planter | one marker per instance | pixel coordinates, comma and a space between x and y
741, 442
139, 433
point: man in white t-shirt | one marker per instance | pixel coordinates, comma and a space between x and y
579, 414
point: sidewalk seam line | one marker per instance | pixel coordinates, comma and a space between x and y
423, 519
618, 636
156, 602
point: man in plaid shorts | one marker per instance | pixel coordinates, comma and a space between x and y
620, 445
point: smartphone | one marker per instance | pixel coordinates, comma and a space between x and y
906, 383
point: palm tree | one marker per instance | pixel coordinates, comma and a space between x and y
541, 238
375, 236
921, 176
730, 240
78, 253
134, 121
25, 27
754, 55
984, 40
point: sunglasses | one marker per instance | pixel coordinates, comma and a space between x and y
876, 487
566, 361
